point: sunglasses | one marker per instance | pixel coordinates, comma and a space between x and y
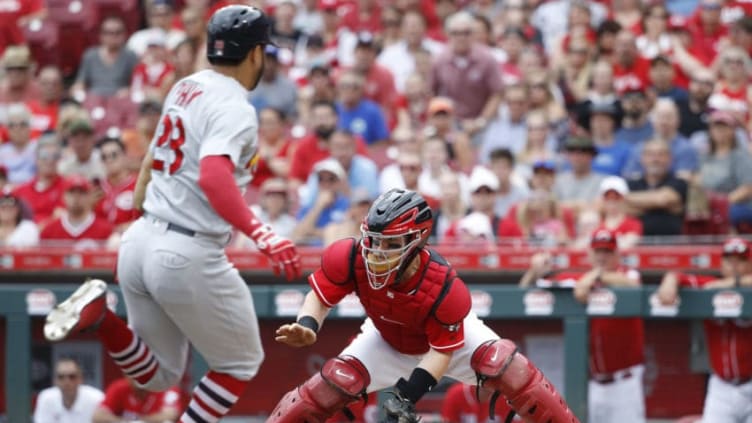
712, 6
18, 124
328, 179
110, 156
112, 31
735, 249
461, 33
45, 155
16, 68
69, 376
410, 168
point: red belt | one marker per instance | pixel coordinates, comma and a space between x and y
607, 378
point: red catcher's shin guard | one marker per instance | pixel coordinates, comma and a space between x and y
501, 368
342, 381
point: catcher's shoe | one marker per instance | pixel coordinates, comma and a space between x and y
83, 310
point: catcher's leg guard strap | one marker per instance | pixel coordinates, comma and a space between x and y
342, 380
501, 368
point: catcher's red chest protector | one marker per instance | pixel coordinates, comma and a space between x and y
400, 315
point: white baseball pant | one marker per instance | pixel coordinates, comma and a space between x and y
180, 289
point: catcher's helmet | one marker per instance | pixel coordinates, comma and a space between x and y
395, 229
234, 30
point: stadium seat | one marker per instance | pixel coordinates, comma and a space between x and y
76, 19
715, 224
42, 36
126, 9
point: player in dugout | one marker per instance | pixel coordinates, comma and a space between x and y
419, 327
615, 393
729, 341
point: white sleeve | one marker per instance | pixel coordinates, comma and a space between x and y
230, 130
44, 411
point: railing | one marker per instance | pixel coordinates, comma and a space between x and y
19, 303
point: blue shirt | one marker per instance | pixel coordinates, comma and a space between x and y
365, 119
611, 159
636, 135
334, 213
363, 174
684, 158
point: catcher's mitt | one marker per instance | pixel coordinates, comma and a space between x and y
399, 410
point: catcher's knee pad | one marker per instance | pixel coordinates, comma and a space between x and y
341, 381
500, 367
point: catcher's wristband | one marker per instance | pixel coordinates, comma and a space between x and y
419, 384
309, 322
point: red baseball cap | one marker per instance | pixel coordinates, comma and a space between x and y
603, 239
328, 4
736, 247
78, 182
632, 86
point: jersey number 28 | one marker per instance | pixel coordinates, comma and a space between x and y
172, 137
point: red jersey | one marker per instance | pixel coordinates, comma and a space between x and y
729, 341
735, 101
357, 20
123, 400
42, 202
43, 117
616, 343
308, 152
152, 76
424, 312
263, 172
705, 46
636, 75
629, 225
461, 405
117, 204
93, 228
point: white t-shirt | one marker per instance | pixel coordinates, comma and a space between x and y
50, 407
26, 234
205, 114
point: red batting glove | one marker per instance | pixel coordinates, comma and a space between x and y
281, 251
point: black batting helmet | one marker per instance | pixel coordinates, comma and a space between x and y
234, 30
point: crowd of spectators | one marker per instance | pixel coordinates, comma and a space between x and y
536, 121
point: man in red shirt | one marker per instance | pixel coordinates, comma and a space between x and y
79, 225
123, 401
729, 342
315, 146
116, 202
379, 86
615, 393
419, 328
44, 192
17, 84
630, 69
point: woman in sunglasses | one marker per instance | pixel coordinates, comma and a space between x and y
16, 227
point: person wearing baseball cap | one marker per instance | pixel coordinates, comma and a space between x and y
727, 340
602, 120
17, 85
275, 89
726, 168
635, 125
330, 204
379, 82
614, 215
79, 226
615, 392
578, 186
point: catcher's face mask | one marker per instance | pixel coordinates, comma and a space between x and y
384, 255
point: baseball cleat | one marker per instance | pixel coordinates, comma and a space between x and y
83, 310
